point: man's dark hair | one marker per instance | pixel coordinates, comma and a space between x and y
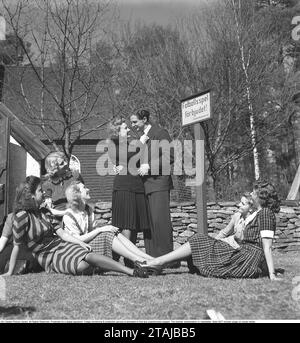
141, 114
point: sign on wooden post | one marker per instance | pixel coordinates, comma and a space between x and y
196, 109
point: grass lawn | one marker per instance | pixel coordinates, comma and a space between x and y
175, 295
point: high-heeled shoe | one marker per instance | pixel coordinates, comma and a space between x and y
140, 272
153, 270
139, 264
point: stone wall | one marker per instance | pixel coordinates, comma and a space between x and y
184, 220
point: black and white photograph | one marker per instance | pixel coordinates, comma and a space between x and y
149, 164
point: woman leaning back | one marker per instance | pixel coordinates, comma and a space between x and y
214, 258
55, 250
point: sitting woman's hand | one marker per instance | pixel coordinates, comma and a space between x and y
105, 228
117, 169
112, 228
274, 277
6, 274
85, 246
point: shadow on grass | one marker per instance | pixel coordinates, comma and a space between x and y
15, 311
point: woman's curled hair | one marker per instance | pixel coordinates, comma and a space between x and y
114, 126
267, 195
51, 162
73, 195
24, 192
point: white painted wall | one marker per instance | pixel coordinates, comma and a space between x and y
32, 166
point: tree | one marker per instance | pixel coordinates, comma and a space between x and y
236, 55
63, 36
155, 72
12, 52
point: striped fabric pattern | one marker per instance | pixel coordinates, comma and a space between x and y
53, 254
79, 223
215, 258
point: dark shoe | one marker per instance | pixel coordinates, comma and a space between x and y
173, 265
279, 271
153, 270
139, 264
128, 263
140, 272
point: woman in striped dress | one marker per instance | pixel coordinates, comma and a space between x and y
60, 253
79, 222
211, 257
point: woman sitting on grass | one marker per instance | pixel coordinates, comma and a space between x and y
60, 253
214, 258
26, 262
233, 233
79, 222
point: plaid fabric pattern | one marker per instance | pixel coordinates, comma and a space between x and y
102, 243
52, 253
215, 258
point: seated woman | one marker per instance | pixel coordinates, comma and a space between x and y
26, 262
79, 222
214, 258
55, 249
233, 232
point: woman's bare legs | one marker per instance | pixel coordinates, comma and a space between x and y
103, 262
182, 253
121, 249
132, 238
133, 248
127, 233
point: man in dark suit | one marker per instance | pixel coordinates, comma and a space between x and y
155, 171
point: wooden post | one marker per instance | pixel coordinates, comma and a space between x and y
4, 143
200, 179
195, 109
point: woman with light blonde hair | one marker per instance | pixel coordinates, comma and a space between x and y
212, 257
55, 162
79, 222
55, 249
233, 233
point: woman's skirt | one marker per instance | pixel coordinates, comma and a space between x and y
102, 243
61, 257
129, 211
215, 258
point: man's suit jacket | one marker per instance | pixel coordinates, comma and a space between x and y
160, 160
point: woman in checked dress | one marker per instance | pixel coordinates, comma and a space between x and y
211, 257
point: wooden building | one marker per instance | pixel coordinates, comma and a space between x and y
13, 157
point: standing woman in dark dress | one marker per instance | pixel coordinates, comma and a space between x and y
214, 258
129, 209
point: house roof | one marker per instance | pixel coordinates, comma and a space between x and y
24, 136
22, 80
